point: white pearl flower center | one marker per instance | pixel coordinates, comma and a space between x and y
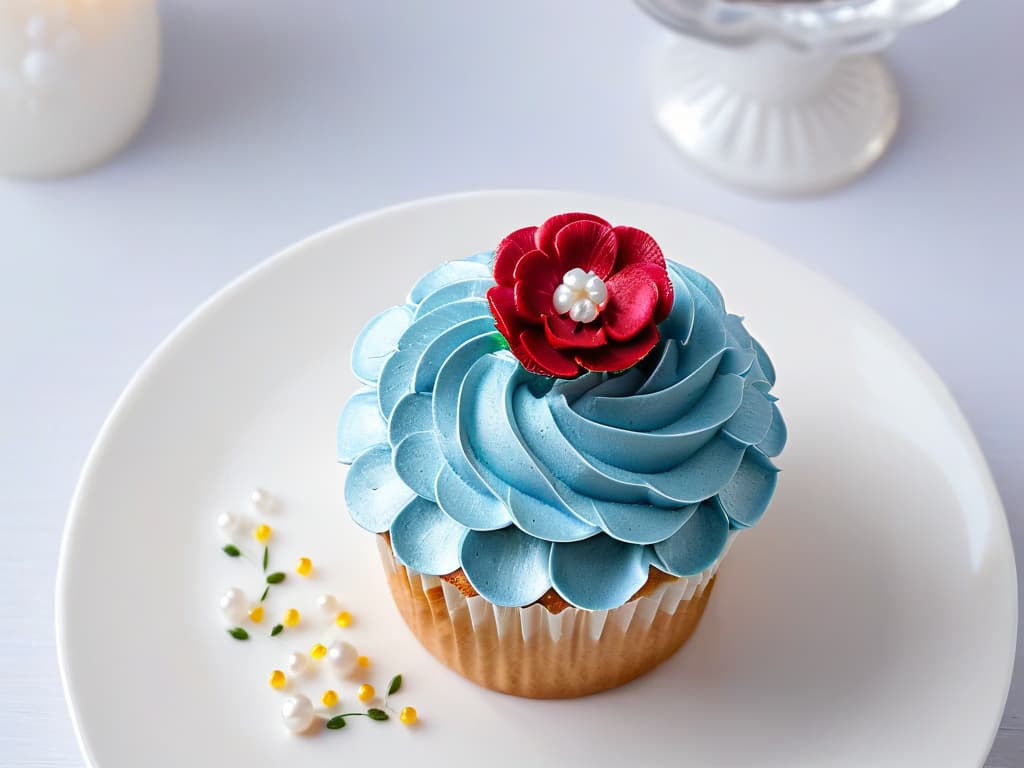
582, 294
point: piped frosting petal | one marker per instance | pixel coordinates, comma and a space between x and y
418, 460
446, 274
598, 573
378, 341
745, 497
507, 567
697, 544
360, 426
426, 539
474, 508
374, 492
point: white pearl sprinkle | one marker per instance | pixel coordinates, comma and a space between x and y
297, 713
596, 290
583, 311
296, 663
342, 657
261, 500
234, 605
327, 603
581, 294
575, 278
563, 299
227, 523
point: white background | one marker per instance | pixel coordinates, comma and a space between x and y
275, 120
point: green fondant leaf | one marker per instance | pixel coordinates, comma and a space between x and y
395, 684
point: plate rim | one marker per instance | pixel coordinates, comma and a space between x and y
238, 283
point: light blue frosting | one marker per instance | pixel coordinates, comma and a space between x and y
529, 483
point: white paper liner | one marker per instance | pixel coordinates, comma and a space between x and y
535, 622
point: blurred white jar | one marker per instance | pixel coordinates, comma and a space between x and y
77, 79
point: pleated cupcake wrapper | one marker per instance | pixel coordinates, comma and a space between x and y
534, 633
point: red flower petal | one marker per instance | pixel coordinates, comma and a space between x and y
510, 250
550, 360
545, 236
660, 278
535, 281
503, 307
511, 326
638, 247
587, 245
619, 357
563, 333
632, 297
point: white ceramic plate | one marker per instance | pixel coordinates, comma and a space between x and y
868, 620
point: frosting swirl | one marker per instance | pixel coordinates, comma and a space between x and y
528, 483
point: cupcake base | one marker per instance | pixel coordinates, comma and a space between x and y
538, 654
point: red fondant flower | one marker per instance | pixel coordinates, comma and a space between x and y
576, 293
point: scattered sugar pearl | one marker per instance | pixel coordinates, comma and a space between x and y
256, 614
304, 567
327, 603
297, 713
278, 679
296, 663
329, 699
228, 523
366, 692
363, 661
342, 657
408, 716
318, 651
291, 617
343, 619
234, 605
262, 533
261, 500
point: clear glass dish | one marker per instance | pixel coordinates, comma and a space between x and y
781, 96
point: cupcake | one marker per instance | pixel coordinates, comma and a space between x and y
556, 444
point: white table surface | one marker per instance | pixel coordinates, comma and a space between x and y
275, 120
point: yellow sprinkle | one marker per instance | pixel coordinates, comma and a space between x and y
262, 533
407, 716
304, 566
330, 698
291, 618
256, 614
318, 651
277, 679
366, 692
343, 619
363, 661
